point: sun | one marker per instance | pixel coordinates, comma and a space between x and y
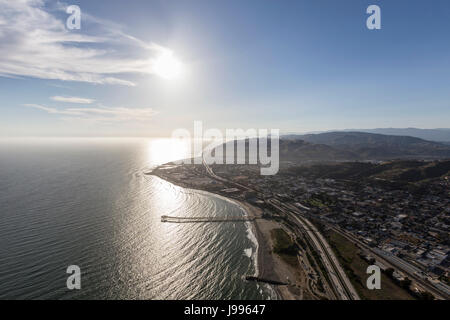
167, 66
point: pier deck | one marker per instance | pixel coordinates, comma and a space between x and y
205, 219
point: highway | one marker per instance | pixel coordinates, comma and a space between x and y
342, 285
440, 292
214, 176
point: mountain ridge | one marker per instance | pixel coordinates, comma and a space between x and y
377, 146
437, 134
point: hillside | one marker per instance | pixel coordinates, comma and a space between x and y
371, 146
439, 135
399, 171
299, 151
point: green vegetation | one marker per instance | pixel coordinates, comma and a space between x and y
314, 202
285, 247
321, 200
283, 244
355, 267
400, 172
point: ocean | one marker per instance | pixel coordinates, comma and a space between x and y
88, 202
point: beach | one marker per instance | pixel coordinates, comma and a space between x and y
268, 265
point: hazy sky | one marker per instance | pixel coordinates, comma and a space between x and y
148, 67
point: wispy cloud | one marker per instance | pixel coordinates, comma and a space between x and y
35, 43
100, 113
73, 100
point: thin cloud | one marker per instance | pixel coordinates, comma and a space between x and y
100, 113
73, 100
53, 110
34, 43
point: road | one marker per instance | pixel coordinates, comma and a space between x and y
342, 285
440, 292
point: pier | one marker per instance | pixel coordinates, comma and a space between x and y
273, 282
205, 219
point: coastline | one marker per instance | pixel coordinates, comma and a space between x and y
267, 264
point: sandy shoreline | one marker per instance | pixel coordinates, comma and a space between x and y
264, 251
267, 264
